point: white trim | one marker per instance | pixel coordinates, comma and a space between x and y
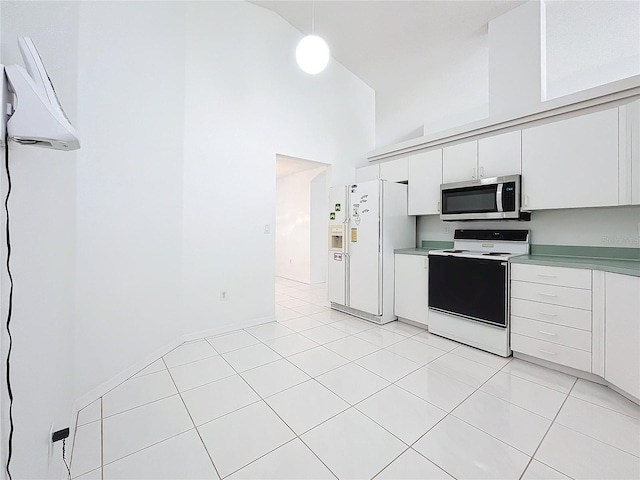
593, 97
598, 323
576, 373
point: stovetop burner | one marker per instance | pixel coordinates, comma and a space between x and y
455, 251
495, 254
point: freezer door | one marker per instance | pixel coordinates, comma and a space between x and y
337, 270
337, 278
363, 239
337, 205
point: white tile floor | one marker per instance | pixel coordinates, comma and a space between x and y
320, 394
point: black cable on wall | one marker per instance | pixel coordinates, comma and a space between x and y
10, 308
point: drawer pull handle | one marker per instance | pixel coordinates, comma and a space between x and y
547, 352
548, 333
548, 295
547, 275
548, 314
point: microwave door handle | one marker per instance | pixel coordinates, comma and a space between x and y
499, 197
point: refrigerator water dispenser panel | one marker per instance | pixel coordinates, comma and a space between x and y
336, 238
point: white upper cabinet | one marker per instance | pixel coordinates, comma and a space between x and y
460, 162
635, 151
425, 177
629, 151
485, 158
395, 170
622, 332
500, 155
571, 163
370, 172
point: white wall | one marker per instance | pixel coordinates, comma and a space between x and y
293, 224
589, 44
43, 237
131, 118
180, 115
453, 94
515, 60
246, 100
597, 227
318, 228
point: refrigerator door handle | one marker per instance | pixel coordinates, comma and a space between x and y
347, 289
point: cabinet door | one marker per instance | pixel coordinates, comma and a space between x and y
622, 332
395, 170
500, 155
571, 163
460, 162
425, 177
411, 277
634, 144
370, 172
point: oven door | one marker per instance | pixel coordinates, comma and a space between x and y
472, 288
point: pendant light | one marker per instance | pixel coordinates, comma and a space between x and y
312, 53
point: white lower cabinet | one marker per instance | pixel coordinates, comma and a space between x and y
567, 323
622, 332
551, 314
411, 284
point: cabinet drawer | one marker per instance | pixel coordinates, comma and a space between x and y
557, 314
560, 354
569, 297
567, 277
567, 336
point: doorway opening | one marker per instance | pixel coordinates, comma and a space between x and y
301, 219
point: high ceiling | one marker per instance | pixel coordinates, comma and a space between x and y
390, 44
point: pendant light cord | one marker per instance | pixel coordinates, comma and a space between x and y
313, 18
10, 307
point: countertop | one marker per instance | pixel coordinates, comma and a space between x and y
427, 245
413, 251
608, 259
613, 265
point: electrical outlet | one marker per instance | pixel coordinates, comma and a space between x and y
60, 435
267, 228
223, 295
446, 229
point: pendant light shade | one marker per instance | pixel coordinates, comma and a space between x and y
312, 54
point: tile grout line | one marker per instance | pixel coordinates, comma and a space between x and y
553, 421
296, 436
605, 407
592, 437
75, 436
101, 439
141, 405
194, 423
191, 418
450, 413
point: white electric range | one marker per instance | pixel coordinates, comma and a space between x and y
469, 287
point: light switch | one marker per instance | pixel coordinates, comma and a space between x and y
267, 228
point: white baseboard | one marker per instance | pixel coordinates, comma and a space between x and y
99, 391
226, 329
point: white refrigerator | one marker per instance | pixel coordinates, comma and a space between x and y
367, 222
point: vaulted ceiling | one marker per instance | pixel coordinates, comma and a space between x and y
390, 44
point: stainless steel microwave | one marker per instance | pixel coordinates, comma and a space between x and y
495, 198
